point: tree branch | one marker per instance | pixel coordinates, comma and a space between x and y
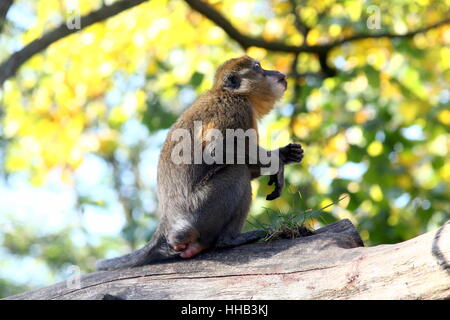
321, 50
299, 24
388, 34
4, 8
326, 69
246, 41
331, 264
10, 66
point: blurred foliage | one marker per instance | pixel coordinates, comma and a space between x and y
386, 112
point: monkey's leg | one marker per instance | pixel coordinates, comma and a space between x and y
231, 236
243, 238
192, 249
289, 154
222, 205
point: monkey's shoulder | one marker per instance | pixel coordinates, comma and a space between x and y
219, 109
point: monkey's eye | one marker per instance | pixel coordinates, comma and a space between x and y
257, 67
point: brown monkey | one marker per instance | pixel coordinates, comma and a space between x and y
205, 205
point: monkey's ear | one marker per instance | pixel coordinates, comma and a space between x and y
232, 81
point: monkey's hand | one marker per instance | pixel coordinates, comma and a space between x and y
288, 154
278, 180
291, 153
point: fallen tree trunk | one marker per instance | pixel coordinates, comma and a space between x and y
332, 264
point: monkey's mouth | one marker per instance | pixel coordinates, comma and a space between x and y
283, 82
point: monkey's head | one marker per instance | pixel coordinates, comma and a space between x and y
245, 76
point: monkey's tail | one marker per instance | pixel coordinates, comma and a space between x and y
154, 251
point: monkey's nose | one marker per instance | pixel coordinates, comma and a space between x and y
282, 80
280, 77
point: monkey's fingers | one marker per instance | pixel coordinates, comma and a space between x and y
292, 153
296, 149
272, 179
278, 179
275, 194
292, 147
296, 159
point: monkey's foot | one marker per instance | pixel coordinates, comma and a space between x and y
180, 247
191, 250
243, 238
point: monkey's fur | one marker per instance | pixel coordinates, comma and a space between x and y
201, 205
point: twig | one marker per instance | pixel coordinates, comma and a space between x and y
4, 8
10, 66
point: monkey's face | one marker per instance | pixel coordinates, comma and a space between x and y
246, 76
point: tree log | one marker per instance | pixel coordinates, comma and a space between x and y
331, 264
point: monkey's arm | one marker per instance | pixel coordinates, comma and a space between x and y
289, 154
244, 149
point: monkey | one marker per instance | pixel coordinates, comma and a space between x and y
202, 205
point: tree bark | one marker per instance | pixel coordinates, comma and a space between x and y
332, 264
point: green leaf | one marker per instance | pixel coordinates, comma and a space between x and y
373, 76
196, 79
156, 117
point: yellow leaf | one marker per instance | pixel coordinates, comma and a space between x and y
409, 111
334, 30
375, 148
444, 117
313, 37
375, 193
444, 172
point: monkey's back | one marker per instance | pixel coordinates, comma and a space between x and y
217, 109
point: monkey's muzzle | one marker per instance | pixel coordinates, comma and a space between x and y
280, 77
283, 82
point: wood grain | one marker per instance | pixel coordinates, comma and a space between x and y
332, 264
